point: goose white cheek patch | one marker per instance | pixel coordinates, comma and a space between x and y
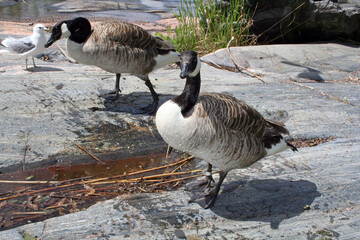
197, 69
65, 31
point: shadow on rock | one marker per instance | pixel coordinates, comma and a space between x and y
310, 73
45, 69
269, 200
132, 103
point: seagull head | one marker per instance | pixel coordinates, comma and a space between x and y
39, 28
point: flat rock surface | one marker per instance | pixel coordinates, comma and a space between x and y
311, 194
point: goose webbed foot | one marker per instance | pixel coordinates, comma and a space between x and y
151, 108
205, 184
113, 95
206, 181
210, 196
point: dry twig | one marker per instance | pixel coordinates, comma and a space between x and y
240, 68
91, 155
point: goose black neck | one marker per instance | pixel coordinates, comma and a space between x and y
189, 96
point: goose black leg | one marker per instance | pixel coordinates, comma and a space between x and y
151, 108
215, 192
209, 179
207, 182
114, 95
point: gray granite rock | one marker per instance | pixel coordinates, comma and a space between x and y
311, 194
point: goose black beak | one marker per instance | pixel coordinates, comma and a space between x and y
50, 41
185, 70
55, 35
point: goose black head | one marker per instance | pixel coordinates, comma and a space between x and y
189, 64
77, 30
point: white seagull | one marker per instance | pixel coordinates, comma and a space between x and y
28, 46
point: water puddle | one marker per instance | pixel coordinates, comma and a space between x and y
139, 10
37, 194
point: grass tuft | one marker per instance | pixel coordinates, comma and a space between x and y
205, 25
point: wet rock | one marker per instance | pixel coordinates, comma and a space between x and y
84, 6
314, 21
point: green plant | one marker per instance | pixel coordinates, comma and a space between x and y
28, 237
205, 25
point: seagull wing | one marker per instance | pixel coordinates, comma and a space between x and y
21, 45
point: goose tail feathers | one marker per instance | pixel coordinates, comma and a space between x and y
273, 139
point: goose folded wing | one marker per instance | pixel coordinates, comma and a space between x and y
122, 33
234, 114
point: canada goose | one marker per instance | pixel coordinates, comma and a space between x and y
220, 129
28, 46
117, 47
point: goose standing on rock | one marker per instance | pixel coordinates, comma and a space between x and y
220, 129
116, 47
27, 46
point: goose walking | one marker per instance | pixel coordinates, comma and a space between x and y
220, 129
28, 46
116, 47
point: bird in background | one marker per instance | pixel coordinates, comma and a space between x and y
217, 128
29, 46
116, 47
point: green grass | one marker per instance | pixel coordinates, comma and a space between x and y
206, 27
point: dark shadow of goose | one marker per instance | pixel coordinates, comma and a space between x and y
268, 200
132, 103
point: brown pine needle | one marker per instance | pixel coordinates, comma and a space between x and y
91, 155
30, 213
157, 168
57, 206
168, 151
147, 177
179, 167
29, 182
180, 179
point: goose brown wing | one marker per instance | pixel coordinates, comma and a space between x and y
233, 113
122, 33
163, 47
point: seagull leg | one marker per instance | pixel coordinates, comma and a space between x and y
215, 192
26, 65
34, 63
114, 95
151, 108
